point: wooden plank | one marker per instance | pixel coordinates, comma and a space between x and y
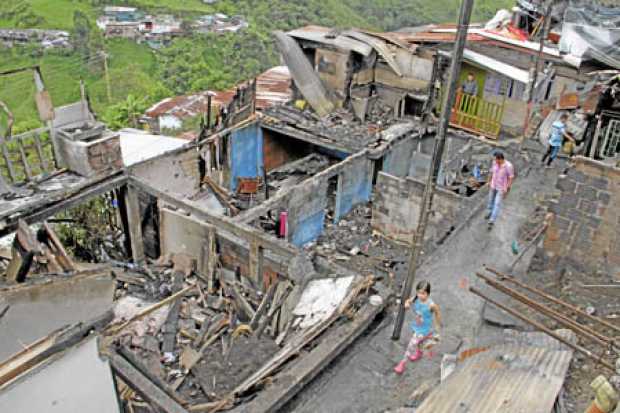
133, 359
39, 149
262, 308
65, 261
24, 159
142, 385
116, 328
44, 348
256, 263
171, 325
135, 224
7, 160
221, 194
289, 382
296, 344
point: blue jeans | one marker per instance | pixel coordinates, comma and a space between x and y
495, 203
551, 154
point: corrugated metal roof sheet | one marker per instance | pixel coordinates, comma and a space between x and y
497, 66
319, 34
525, 376
379, 45
272, 87
304, 75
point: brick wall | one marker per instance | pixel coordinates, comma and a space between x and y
92, 158
585, 232
279, 149
105, 155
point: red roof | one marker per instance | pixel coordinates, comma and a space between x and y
272, 87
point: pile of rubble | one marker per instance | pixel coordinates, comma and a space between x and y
208, 338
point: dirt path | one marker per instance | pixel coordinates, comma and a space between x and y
362, 379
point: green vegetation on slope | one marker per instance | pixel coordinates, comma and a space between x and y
189, 64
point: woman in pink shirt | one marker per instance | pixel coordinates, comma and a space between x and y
502, 174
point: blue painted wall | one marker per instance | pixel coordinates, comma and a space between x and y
308, 228
246, 154
354, 187
306, 211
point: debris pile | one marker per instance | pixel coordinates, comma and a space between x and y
204, 340
41, 253
354, 242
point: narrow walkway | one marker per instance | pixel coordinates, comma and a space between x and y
362, 380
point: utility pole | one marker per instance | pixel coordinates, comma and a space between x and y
538, 62
107, 76
440, 140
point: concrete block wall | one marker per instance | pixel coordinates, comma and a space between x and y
585, 232
175, 173
396, 206
397, 161
396, 210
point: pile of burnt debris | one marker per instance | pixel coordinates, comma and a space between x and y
39, 253
211, 343
341, 125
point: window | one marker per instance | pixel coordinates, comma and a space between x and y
498, 85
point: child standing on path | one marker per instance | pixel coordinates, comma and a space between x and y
427, 316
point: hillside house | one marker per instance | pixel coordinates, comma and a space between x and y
272, 88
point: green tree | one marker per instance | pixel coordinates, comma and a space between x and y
87, 39
126, 113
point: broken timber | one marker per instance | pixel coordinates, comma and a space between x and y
286, 384
58, 202
141, 384
46, 347
297, 343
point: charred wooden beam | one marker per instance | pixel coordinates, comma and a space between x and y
141, 367
142, 385
264, 304
134, 223
289, 382
60, 202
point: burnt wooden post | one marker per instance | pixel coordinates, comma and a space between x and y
134, 223
256, 262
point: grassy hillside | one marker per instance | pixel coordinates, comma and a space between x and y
196, 63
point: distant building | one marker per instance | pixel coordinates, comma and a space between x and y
220, 23
126, 30
130, 23
45, 38
122, 14
272, 88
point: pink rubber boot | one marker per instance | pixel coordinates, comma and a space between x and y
416, 356
400, 367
